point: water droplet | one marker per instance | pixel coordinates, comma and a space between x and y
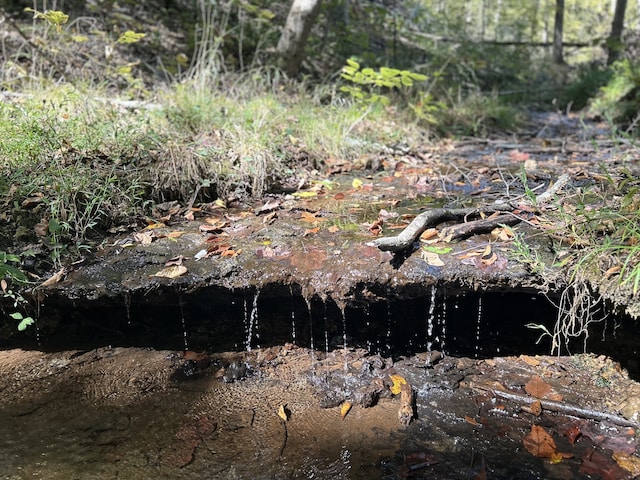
478, 326
184, 323
293, 316
253, 321
431, 315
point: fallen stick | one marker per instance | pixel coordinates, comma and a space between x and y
558, 407
405, 239
405, 413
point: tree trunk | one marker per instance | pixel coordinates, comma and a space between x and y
557, 56
614, 42
296, 31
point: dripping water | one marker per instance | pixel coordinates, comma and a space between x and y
367, 316
253, 322
184, 324
308, 302
293, 316
443, 325
344, 337
127, 306
430, 320
478, 325
389, 320
326, 329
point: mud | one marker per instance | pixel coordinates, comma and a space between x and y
140, 413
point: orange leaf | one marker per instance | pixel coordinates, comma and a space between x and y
344, 409
333, 229
311, 231
310, 217
470, 420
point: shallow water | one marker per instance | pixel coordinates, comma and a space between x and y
132, 413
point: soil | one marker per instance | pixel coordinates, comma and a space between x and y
281, 413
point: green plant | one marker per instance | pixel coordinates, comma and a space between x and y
371, 87
10, 274
521, 252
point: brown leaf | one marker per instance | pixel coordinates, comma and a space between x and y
3, 285
471, 421
309, 260
431, 258
536, 408
270, 206
311, 231
429, 234
144, 238
600, 466
630, 463
539, 443
310, 217
536, 387
333, 229
53, 279
376, 227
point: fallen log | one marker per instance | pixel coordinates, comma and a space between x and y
435, 216
554, 406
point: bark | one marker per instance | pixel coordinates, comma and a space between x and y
557, 55
295, 34
614, 42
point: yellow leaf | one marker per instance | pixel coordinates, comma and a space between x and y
344, 409
171, 272
155, 225
356, 183
307, 194
283, 412
175, 234
398, 381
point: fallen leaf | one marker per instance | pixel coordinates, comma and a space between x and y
612, 271
471, 421
309, 260
175, 234
270, 218
536, 408
344, 409
270, 206
171, 272
431, 258
3, 285
357, 183
518, 156
144, 238
536, 387
488, 257
333, 229
376, 227
283, 412
311, 231
428, 234
398, 381
53, 279
573, 433
539, 443
153, 226
630, 463
310, 217
201, 254
339, 196
529, 360
305, 194
600, 466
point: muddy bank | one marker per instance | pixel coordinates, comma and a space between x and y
141, 413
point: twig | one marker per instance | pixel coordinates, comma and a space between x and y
419, 224
557, 407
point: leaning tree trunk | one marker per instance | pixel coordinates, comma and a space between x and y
614, 42
296, 31
558, 26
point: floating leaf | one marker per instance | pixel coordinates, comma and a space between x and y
344, 409
171, 272
398, 381
283, 413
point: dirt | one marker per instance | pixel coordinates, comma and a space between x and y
280, 413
